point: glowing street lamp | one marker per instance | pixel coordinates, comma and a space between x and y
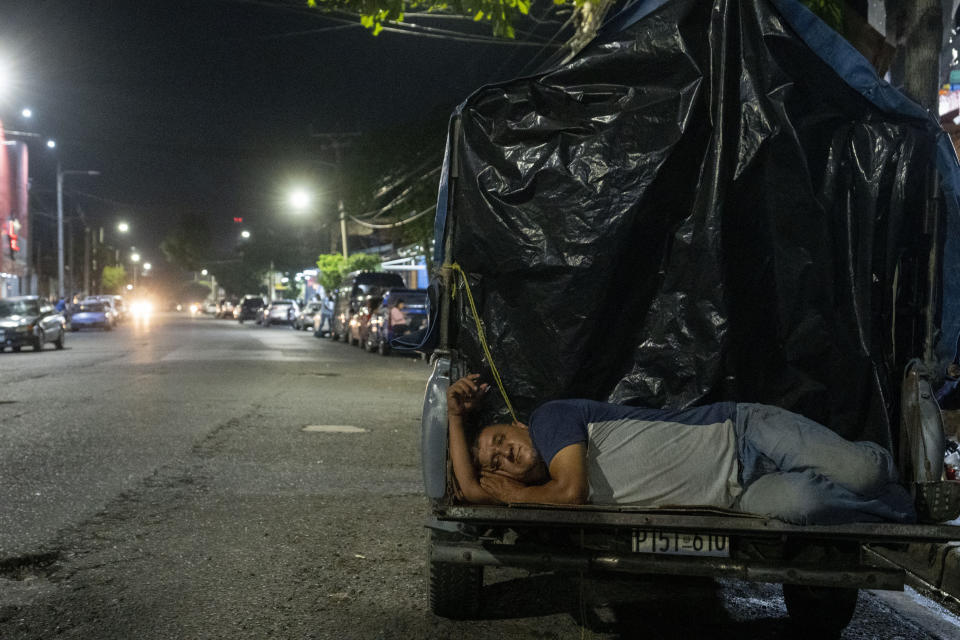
26, 112
123, 227
147, 266
51, 144
300, 199
204, 272
245, 234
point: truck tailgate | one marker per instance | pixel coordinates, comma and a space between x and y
691, 520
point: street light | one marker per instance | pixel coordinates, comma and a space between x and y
51, 144
147, 266
60, 174
300, 199
26, 112
203, 272
245, 234
123, 227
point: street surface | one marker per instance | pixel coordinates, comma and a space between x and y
156, 482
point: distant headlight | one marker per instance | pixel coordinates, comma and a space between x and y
141, 308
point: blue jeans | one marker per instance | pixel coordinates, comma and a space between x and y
799, 471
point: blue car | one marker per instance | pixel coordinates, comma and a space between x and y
93, 313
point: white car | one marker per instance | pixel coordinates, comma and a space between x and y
282, 311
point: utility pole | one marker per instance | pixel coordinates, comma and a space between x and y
70, 261
60, 174
86, 260
337, 142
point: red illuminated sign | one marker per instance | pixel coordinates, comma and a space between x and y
12, 236
237, 219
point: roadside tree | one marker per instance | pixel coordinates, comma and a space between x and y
112, 279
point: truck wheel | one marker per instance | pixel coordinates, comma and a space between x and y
821, 612
455, 590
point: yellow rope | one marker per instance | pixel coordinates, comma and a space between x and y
456, 268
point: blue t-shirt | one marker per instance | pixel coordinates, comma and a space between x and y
650, 457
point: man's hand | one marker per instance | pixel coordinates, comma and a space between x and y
500, 486
465, 395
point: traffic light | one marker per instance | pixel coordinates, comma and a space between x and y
238, 220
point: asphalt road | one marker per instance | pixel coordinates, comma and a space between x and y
156, 482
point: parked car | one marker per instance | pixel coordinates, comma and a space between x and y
282, 311
115, 304
94, 313
416, 308
225, 308
210, 308
28, 320
360, 291
304, 318
248, 309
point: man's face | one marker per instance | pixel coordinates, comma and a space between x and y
508, 450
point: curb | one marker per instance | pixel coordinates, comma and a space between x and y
936, 564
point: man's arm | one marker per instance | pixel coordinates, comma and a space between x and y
567, 483
462, 396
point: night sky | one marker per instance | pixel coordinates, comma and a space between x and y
207, 106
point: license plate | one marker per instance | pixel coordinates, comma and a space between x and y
680, 544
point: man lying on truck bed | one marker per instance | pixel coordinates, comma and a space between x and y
748, 457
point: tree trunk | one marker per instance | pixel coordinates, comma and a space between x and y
917, 29
922, 57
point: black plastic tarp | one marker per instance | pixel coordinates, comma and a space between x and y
699, 207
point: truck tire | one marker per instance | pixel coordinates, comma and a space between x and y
820, 612
455, 590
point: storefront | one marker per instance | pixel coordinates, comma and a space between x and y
14, 227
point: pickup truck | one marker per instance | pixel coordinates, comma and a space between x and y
711, 201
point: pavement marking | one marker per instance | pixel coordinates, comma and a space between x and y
333, 428
261, 355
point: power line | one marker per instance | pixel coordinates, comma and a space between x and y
310, 32
393, 225
545, 47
